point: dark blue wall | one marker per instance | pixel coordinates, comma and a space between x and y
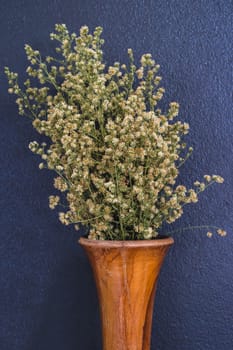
48, 298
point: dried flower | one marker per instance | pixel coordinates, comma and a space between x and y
221, 232
53, 201
115, 154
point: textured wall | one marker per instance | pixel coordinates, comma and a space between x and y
48, 298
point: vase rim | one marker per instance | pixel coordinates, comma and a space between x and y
163, 241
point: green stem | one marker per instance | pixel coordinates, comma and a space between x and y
119, 207
185, 159
88, 220
69, 184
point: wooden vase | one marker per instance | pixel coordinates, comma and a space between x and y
126, 274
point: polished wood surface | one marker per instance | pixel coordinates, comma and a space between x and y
126, 274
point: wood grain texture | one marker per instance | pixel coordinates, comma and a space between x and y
126, 274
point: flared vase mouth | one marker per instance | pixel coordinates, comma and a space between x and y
157, 242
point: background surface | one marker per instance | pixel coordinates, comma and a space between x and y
48, 298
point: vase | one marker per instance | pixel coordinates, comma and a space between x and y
126, 274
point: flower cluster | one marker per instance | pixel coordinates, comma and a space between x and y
116, 155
